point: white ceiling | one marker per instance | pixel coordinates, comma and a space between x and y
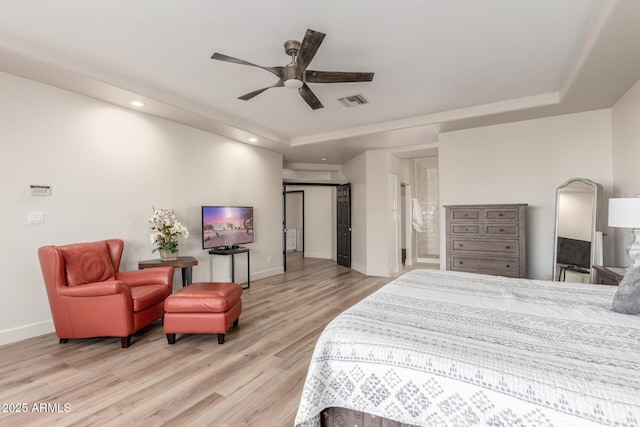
439, 64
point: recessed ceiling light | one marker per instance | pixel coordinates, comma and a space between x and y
137, 103
324, 159
253, 139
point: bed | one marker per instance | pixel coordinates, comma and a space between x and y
440, 348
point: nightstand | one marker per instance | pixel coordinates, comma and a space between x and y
608, 275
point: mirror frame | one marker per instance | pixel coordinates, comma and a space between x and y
595, 223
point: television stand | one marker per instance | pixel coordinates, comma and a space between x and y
226, 251
562, 274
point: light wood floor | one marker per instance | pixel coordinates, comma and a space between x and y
256, 375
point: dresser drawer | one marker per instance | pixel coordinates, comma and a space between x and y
502, 247
499, 266
465, 229
465, 214
501, 230
501, 214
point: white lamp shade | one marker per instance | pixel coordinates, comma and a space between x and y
624, 213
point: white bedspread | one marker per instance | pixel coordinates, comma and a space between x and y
438, 348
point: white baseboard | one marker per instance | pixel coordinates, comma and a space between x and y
255, 275
320, 255
428, 260
359, 268
8, 336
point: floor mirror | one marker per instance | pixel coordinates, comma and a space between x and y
578, 236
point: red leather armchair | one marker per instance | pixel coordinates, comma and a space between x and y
89, 297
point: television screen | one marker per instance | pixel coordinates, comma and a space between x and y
226, 226
574, 252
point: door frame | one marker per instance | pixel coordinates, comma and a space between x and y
407, 230
284, 207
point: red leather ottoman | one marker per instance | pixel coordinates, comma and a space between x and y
202, 308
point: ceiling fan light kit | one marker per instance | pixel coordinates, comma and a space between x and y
290, 76
293, 83
295, 74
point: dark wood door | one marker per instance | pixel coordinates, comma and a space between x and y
344, 224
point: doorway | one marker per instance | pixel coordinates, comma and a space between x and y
294, 224
406, 246
425, 204
327, 209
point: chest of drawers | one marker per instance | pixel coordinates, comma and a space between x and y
487, 239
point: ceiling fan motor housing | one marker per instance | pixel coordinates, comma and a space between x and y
290, 72
290, 76
291, 47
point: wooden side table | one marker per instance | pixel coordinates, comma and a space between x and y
608, 275
186, 263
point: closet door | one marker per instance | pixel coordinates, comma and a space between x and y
343, 218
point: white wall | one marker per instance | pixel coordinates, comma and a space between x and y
319, 221
625, 119
377, 218
572, 223
355, 172
107, 167
525, 162
368, 175
294, 206
294, 219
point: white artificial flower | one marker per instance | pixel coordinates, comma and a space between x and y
166, 229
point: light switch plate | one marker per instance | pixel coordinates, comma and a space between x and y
35, 218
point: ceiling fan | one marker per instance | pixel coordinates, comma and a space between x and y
295, 74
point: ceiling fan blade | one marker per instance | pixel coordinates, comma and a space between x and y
308, 48
310, 97
250, 95
336, 77
277, 71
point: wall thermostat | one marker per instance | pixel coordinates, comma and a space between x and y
40, 190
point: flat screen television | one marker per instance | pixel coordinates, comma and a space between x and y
572, 252
226, 226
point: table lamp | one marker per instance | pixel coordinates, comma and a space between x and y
625, 213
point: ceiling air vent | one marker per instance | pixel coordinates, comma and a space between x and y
353, 101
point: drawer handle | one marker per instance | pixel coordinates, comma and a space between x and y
466, 229
502, 230
460, 262
500, 214
460, 245
507, 247
508, 266
466, 214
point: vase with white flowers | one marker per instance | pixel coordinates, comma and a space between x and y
166, 230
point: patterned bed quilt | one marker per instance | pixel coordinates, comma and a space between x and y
440, 348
